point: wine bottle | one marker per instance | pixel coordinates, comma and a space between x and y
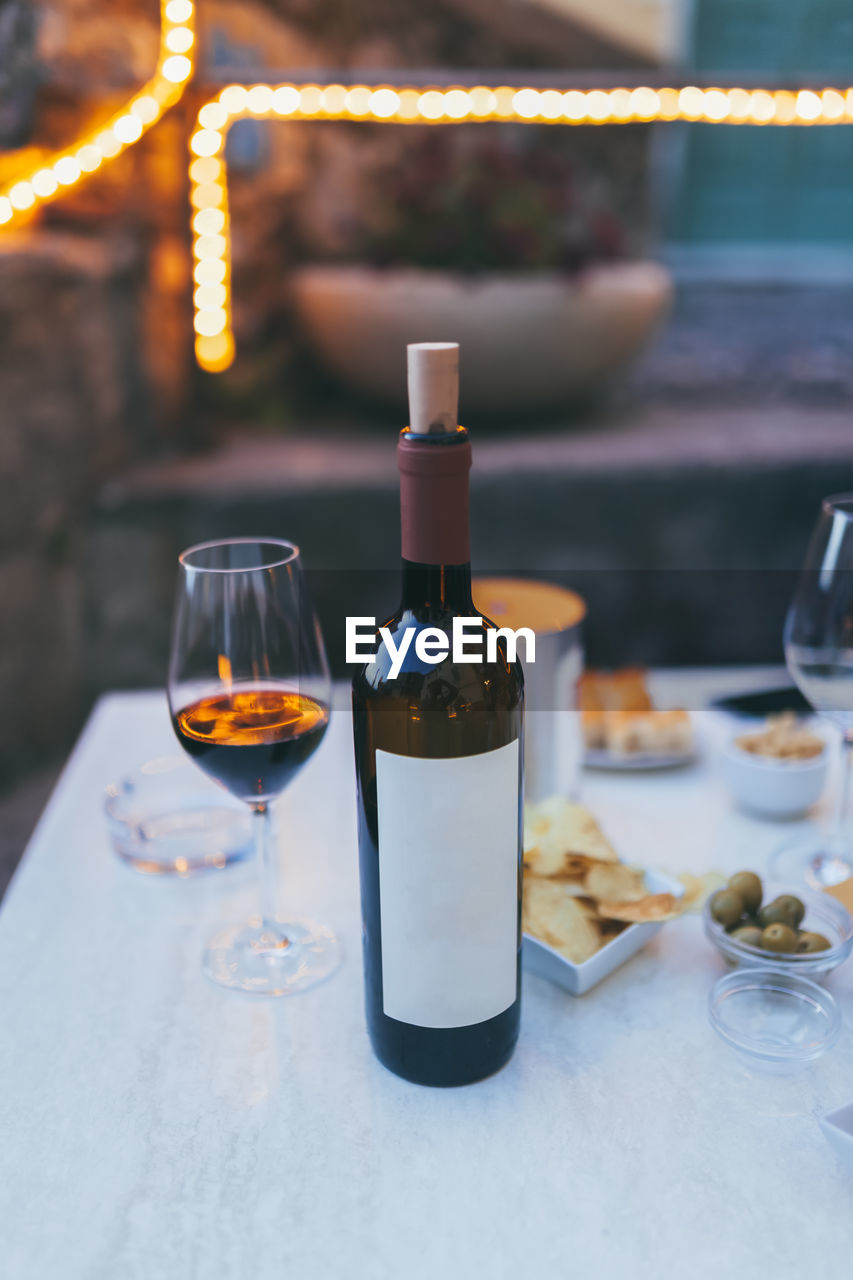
438, 750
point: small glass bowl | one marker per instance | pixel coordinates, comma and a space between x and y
773, 1020
824, 914
167, 818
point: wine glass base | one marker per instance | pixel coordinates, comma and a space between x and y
810, 859
250, 957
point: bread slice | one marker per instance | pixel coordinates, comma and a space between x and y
649, 733
623, 690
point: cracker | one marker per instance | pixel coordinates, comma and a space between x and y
555, 917
655, 906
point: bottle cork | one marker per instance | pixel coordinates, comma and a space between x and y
433, 369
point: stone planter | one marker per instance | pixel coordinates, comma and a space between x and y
530, 343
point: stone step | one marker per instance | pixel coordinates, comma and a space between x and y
683, 527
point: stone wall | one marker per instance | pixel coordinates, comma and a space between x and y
70, 415
18, 71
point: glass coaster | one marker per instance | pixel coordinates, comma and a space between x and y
777, 1021
167, 818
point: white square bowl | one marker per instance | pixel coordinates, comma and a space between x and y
537, 957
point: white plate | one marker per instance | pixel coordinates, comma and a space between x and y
636, 762
537, 957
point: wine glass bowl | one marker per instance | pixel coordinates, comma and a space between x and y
819, 624
252, 740
818, 641
249, 692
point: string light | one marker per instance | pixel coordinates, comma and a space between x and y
259, 99
332, 99
809, 105
22, 196
179, 39
286, 100
431, 105
213, 116
145, 108
832, 103
206, 170
108, 144
645, 103
484, 102
67, 170
207, 142
716, 105
208, 272
550, 105
177, 69
51, 176
739, 104
127, 129
762, 106
311, 101
577, 104
44, 183
598, 106
785, 111
385, 103
208, 192
89, 158
357, 103
209, 221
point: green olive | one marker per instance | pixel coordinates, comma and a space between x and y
776, 912
812, 942
726, 907
748, 885
779, 937
795, 908
748, 933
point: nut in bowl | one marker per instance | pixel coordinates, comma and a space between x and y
774, 926
778, 772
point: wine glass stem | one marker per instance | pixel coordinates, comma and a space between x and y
267, 872
842, 803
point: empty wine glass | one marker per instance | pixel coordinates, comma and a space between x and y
819, 653
249, 693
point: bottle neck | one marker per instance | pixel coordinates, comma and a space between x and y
434, 498
445, 588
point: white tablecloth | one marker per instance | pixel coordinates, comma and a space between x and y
153, 1126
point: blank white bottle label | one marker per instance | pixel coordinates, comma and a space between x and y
448, 886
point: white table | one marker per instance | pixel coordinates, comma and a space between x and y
155, 1127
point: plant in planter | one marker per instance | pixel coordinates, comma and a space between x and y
514, 251
487, 207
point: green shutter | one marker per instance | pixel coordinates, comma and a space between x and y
769, 184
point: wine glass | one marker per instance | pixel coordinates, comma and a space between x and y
249, 694
819, 653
